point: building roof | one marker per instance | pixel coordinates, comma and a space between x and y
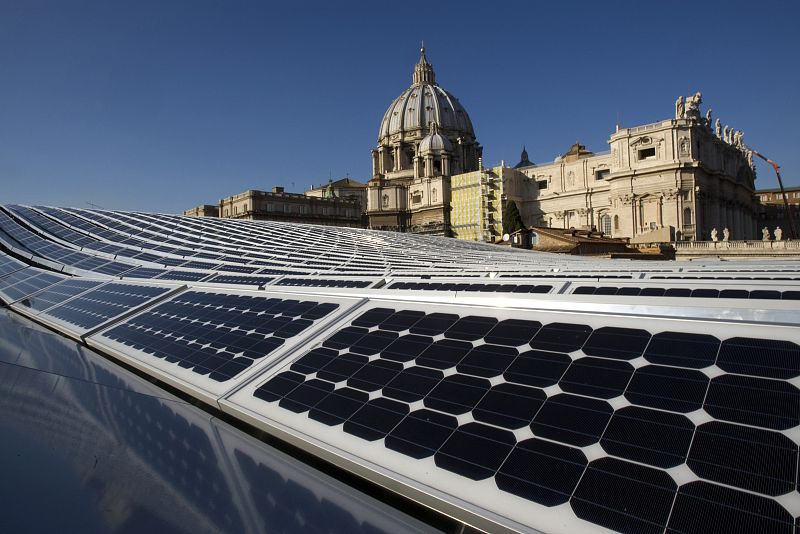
435, 142
342, 182
423, 103
523, 160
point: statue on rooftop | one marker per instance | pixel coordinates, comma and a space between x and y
778, 233
679, 108
708, 118
714, 237
693, 105
718, 128
726, 234
765, 234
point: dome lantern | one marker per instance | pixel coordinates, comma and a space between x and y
423, 71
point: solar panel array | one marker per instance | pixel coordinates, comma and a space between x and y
511, 390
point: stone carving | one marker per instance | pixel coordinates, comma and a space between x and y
571, 179
765, 234
778, 233
726, 234
683, 145
385, 201
750, 159
693, 105
726, 134
718, 128
714, 235
708, 118
738, 139
680, 111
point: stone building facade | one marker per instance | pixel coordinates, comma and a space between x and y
203, 210
277, 205
345, 188
772, 213
425, 137
676, 179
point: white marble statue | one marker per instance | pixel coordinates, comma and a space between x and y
718, 128
693, 105
778, 233
708, 118
765, 234
679, 108
726, 234
714, 237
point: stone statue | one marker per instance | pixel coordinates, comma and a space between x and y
708, 118
778, 233
679, 109
726, 234
765, 234
714, 237
718, 128
737, 138
726, 134
750, 158
693, 105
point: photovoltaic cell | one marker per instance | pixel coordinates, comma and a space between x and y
216, 334
58, 293
97, 306
454, 393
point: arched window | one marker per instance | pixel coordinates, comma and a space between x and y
605, 224
687, 216
385, 201
616, 222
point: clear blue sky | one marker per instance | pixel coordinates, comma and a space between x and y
163, 105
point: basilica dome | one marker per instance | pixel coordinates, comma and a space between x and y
411, 113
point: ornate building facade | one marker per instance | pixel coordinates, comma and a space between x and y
425, 137
676, 179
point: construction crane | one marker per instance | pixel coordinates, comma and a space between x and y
777, 168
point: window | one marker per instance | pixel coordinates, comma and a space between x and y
542, 184
601, 174
616, 222
687, 216
647, 153
605, 224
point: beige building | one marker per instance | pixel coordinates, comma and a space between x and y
277, 205
672, 179
425, 137
203, 210
346, 189
676, 179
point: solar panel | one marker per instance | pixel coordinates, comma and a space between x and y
203, 339
97, 306
57, 294
24, 282
561, 419
479, 381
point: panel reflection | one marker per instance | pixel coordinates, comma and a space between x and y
89, 447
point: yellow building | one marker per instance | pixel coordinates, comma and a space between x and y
478, 200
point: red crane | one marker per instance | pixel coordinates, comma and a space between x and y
777, 167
